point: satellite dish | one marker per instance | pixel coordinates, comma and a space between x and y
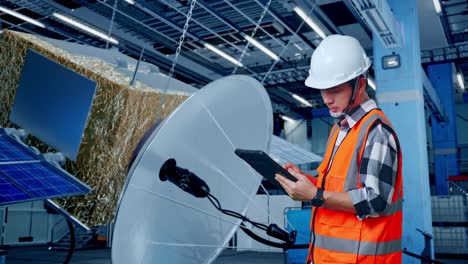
158, 222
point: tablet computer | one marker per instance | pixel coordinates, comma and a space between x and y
264, 165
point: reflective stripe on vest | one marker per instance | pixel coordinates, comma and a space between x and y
343, 234
351, 181
353, 246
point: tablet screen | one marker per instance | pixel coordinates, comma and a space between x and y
264, 165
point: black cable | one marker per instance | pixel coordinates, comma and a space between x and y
191, 183
71, 249
263, 240
462, 117
272, 230
216, 204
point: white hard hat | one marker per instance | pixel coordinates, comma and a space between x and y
336, 60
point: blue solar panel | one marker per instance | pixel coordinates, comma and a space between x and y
9, 192
283, 152
12, 151
42, 181
25, 176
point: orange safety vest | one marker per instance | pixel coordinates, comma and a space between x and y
340, 237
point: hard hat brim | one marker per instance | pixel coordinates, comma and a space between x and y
313, 83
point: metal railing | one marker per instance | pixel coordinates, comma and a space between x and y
450, 220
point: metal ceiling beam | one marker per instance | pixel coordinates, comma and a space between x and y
358, 17
286, 26
21, 26
460, 37
253, 22
220, 17
99, 21
168, 41
180, 29
166, 21
445, 55
175, 26
201, 24
188, 53
230, 24
129, 48
381, 20
325, 20
445, 25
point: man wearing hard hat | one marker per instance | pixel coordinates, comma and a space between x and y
357, 198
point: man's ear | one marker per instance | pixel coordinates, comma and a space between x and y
362, 84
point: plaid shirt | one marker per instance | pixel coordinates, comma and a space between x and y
378, 168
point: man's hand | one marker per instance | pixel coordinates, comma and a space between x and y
302, 190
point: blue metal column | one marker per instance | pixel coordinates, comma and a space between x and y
444, 134
400, 95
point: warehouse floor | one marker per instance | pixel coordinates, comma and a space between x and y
41, 255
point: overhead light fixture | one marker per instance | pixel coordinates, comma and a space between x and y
287, 118
224, 55
262, 48
298, 47
461, 81
391, 61
371, 83
437, 6
130, 2
85, 28
309, 21
22, 17
300, 99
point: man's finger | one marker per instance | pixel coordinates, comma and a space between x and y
290, 166
281, 179
296, 174
284, 183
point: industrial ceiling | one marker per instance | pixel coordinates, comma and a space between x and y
157, 26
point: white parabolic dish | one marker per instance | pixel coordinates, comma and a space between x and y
156, 222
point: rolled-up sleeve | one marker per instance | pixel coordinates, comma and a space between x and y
378, 174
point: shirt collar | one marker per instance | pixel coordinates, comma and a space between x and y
357, 113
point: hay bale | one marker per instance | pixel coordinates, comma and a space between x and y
120, 115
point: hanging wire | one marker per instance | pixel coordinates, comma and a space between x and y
111, 24
137, 66
314, 5
176, 56
252, 36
